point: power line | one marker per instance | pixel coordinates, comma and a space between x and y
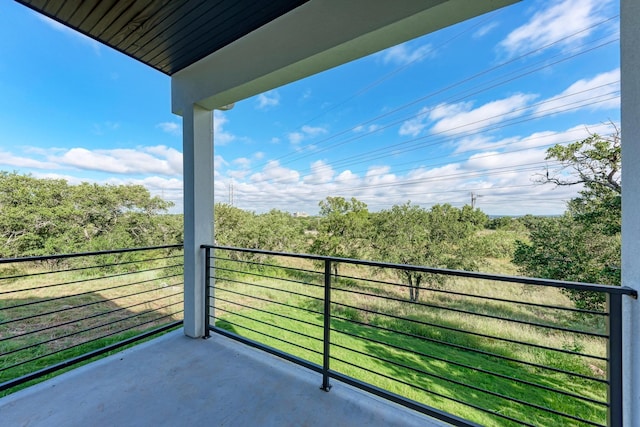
425, 141
471, 78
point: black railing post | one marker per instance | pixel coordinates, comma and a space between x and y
614, 354
207, 290
326, 355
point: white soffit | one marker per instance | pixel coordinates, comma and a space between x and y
314, 37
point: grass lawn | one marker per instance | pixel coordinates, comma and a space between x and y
373, 341
49, 314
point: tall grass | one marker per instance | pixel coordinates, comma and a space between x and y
55, 311
438, 352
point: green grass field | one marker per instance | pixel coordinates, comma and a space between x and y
48, 317
415, 350
415, 360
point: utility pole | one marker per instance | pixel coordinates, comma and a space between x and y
231, 194
474, 199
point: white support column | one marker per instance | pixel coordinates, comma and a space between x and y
197, 143
630, 104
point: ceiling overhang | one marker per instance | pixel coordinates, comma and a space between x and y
167, 35
221, 51
311, 38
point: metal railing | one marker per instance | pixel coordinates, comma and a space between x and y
59, 310
472, 349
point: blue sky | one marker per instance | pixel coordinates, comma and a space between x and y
469, 109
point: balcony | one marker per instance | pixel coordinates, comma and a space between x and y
297, 40
174, 380
284, 326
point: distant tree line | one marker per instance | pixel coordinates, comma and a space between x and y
50, 216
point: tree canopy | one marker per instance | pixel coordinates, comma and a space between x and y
438, 237
584, 244
47, 216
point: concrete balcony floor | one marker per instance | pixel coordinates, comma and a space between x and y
177, 381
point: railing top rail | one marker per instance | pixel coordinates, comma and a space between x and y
592, 287
81, 254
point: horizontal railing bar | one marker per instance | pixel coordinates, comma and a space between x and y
266, 312
267, 287
282, 267
270, 301
464, 331
83, 331
271, 350
269, 324
75, 307
488, 316
624, 290
284, 304
473, 368
68, 270
268, 335
468, 386
91, 279
349, 380
67, 363
89, 341
70, 322
450, 292
266, 276
88, 292
84, 254
474, 350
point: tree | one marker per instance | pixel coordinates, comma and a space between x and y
595, 162
439, 237
584, 244
343, 229
45, 216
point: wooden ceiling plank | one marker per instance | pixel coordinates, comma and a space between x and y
91, 21
211, 43
201, 22
130, 21
169, 27
155, 24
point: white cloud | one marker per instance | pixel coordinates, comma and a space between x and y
305, 132
172, 128
273, 171
485, 29
295, 137
368, 129
268, 100
320, 173
402, 54
242, 162
219, 162
8, 159
501, 171
415, 126
557, 21
220, 136
172, 156
144, 160
455, 118
313, 131
593, 94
